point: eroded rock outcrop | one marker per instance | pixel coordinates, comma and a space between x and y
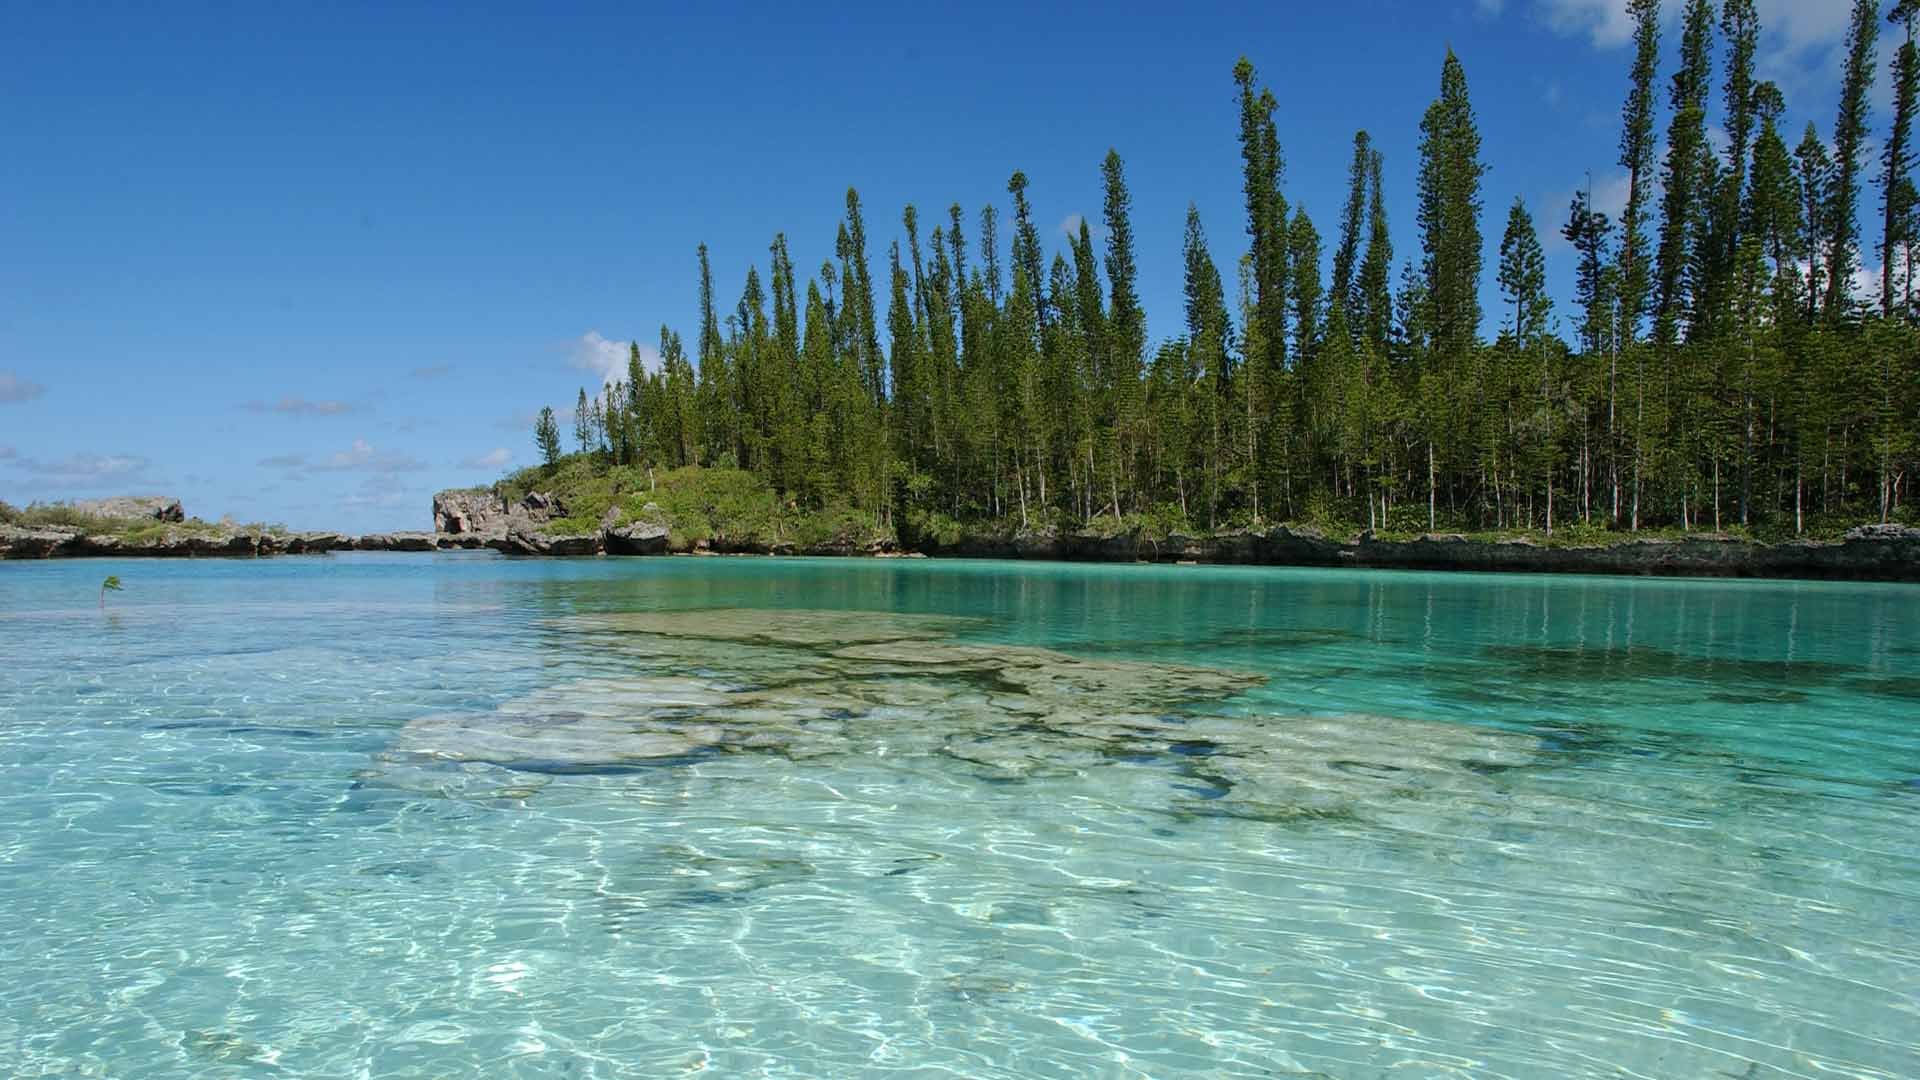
133, 508
484, 519
468, 512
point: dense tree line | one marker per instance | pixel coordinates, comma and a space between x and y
1720, 367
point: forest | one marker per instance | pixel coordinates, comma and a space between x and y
1723, 368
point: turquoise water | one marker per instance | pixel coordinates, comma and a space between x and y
456, 815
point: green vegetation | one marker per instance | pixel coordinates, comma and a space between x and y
720, 507
1722, 369
112, 584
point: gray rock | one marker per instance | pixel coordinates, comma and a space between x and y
468, 512
636, 538
398, 541
133, 508
1905, 533
313, 543
480, 518
19, 543
522, 540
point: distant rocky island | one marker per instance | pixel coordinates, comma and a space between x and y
537, 524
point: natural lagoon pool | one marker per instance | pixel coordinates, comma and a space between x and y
459, 815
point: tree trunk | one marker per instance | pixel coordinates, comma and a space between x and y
1432, 476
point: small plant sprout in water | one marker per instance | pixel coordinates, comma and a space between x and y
112, 584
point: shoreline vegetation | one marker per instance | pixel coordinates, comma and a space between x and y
585, 508
1730, 364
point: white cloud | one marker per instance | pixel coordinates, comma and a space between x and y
1866, 285
14, 388
607, 359
1803, 24
1605, 21
1788, 28
295, 405
492, 459
362, 457
1488, 9
1070, 226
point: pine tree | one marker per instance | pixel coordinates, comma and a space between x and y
1681, 178
1636, 156
1209, 334
1303, 247
1449, 213
859, 303
1340, 297
1523, 276
1533, 427
1587, 230
716, 393
1718, 253
1026, 245
904, 349
1815, 176
1897, 194
1376, 269
546, 436
1849, 140
1126, 336
582, 423
1773, 208
1449, 217
1266, 216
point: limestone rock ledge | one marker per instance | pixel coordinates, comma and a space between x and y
1869, 552
45, 543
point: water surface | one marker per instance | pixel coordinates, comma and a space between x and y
424, 816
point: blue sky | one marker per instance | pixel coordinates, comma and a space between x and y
310, 264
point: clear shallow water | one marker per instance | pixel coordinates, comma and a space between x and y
422, 816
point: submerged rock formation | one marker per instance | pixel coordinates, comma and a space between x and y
813, 685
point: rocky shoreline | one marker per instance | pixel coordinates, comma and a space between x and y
480, 520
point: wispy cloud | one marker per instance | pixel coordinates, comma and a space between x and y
363, 457
7, 453
284, 461
492, 459
295, 405
432, 371
13, 388
382, 491
84, 470
1488, 9
1070, 225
